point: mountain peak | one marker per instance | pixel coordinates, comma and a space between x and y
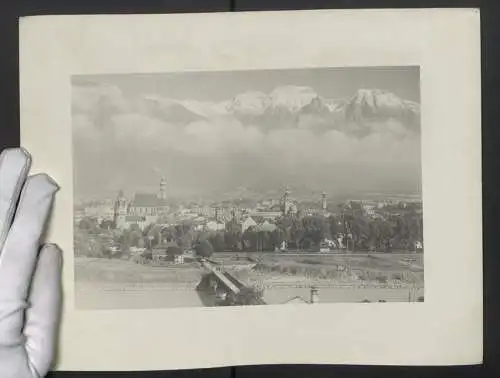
251, 102
292, 97
316, 105
167, 109
375, 103
377, 98
289, 97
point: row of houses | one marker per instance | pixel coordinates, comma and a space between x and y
381, 209
202, 224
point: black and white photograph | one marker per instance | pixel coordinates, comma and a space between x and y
257, 187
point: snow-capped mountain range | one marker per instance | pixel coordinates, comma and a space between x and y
291, 106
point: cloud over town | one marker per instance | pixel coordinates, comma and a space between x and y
369, 140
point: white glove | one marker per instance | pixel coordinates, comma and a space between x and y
30, 276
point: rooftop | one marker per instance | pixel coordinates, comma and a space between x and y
297, 300
266, 227
147, 200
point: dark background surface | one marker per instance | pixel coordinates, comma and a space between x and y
10, 10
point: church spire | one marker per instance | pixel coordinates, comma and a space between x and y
286, 201
162, 194
120, 210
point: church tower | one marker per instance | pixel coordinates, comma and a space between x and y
287, 204
323, 201
162, 194
120, 211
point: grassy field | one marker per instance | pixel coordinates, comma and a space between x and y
98, 270
331, 267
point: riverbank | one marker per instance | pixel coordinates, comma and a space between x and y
123, 284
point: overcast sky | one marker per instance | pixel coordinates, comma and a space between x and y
220, 86
120, 144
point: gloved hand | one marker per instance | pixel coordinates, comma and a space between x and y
30, 275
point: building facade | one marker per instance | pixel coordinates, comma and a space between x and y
142, 210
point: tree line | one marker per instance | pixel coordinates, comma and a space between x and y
355, 232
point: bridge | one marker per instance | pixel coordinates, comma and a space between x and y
221, 277
230, 285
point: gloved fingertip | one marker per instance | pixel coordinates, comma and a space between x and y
43, 180
52, 252
25, 152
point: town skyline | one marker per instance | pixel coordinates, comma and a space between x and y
271, 194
